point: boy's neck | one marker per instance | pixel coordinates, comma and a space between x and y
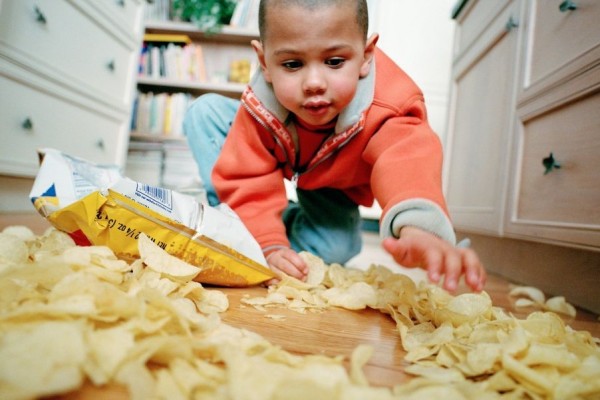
324, 128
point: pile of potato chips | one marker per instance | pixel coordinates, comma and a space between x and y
460, 347
73, 316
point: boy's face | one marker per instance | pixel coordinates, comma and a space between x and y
314, 59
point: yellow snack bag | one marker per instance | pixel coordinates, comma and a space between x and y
95, 205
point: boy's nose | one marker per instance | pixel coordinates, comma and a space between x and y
314, 82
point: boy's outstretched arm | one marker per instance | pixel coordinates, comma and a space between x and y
418, 248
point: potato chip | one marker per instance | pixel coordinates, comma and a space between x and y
360, 357
317, 268
559, 304
44, 358
20, 231
52, 242
276, 317
533, 293
534, 297
108, 348
357, 296
13, 250
160, 261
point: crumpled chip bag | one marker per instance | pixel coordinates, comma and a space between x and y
96, 205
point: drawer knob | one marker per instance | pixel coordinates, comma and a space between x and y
567, 5
511, 24
121, 3
111, 66
39, 16
550, 164
100, 144
27, 124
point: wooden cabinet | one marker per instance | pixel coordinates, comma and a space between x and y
557, 113
524, 128
482, 100
67, 72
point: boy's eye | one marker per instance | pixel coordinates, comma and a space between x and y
292, 65
335, 62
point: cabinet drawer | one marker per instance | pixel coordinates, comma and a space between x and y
32, 119
126, 12
559, 37
474, 19
568, 197
46, 34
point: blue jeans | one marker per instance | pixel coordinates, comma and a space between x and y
324, 222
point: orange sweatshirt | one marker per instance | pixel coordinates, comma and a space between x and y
382, 148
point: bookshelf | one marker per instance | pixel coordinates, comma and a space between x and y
214, 55
157, 132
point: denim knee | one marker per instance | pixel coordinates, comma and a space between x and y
206, 124
334, 244
340, 249
212, 111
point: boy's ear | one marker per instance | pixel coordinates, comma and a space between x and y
260, 53
368, 55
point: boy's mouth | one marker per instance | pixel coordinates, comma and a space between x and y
317, 107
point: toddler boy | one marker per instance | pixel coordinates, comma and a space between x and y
332, 113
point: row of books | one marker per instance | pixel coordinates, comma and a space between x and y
160, 114
173, 61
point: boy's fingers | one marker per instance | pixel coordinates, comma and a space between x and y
475, 275
434, 261
288, 262
297, 262
453, 268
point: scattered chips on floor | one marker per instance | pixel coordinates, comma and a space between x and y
461, 346
528, 296
70, 315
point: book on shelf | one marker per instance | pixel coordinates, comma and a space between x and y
160, 114
172, 57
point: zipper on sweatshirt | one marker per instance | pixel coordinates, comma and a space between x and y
294, 179
268, 129
297, 172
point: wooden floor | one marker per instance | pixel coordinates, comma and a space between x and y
337, 332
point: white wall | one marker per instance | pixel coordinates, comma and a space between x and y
418, 36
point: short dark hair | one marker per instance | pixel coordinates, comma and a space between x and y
362, 12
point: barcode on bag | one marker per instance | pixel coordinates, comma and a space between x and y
158, 196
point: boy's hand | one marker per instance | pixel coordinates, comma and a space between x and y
417, 248
288, 262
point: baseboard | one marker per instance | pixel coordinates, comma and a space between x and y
556, 270
14, 194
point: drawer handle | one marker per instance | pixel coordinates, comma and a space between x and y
567, 5
511, 24
121, 3
27, 124
550, 164
100, 144
111, 66
39, 16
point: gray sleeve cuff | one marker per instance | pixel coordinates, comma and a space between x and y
420, 213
